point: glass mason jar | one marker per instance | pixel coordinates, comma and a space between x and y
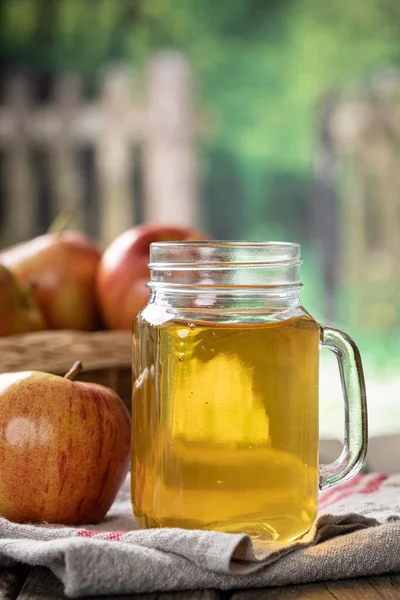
225, 394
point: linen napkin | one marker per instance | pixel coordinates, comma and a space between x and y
357, 533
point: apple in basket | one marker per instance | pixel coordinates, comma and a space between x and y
62, 267
123, 273
18, 312
64, 448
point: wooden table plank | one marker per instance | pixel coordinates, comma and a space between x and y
314, 591
42, 584
186, 595
365, 588
11, 581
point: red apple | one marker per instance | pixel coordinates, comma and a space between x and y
62, 267
123, 271
64, 448
18, 312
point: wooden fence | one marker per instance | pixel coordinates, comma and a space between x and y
159, 121
358, 200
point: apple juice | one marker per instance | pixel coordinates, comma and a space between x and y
225, 426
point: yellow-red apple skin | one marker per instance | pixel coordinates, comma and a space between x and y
18, 311
123, 273
64, 448
61, 270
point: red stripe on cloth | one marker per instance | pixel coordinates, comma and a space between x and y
374, 484
326, 496
112, 536
86, 533
115, 536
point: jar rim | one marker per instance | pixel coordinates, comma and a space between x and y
227, 243
209, 263
223, 253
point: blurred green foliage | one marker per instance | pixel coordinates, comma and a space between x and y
261, 65
261, 68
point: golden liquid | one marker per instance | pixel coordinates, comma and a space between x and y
225, 426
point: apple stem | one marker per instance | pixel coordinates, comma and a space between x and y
74, 370
62, 221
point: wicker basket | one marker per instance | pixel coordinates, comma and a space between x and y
105, 355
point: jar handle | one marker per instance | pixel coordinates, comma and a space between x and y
354, 450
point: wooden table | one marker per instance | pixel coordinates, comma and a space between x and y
39, 583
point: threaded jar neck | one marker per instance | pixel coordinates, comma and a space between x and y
266, 267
